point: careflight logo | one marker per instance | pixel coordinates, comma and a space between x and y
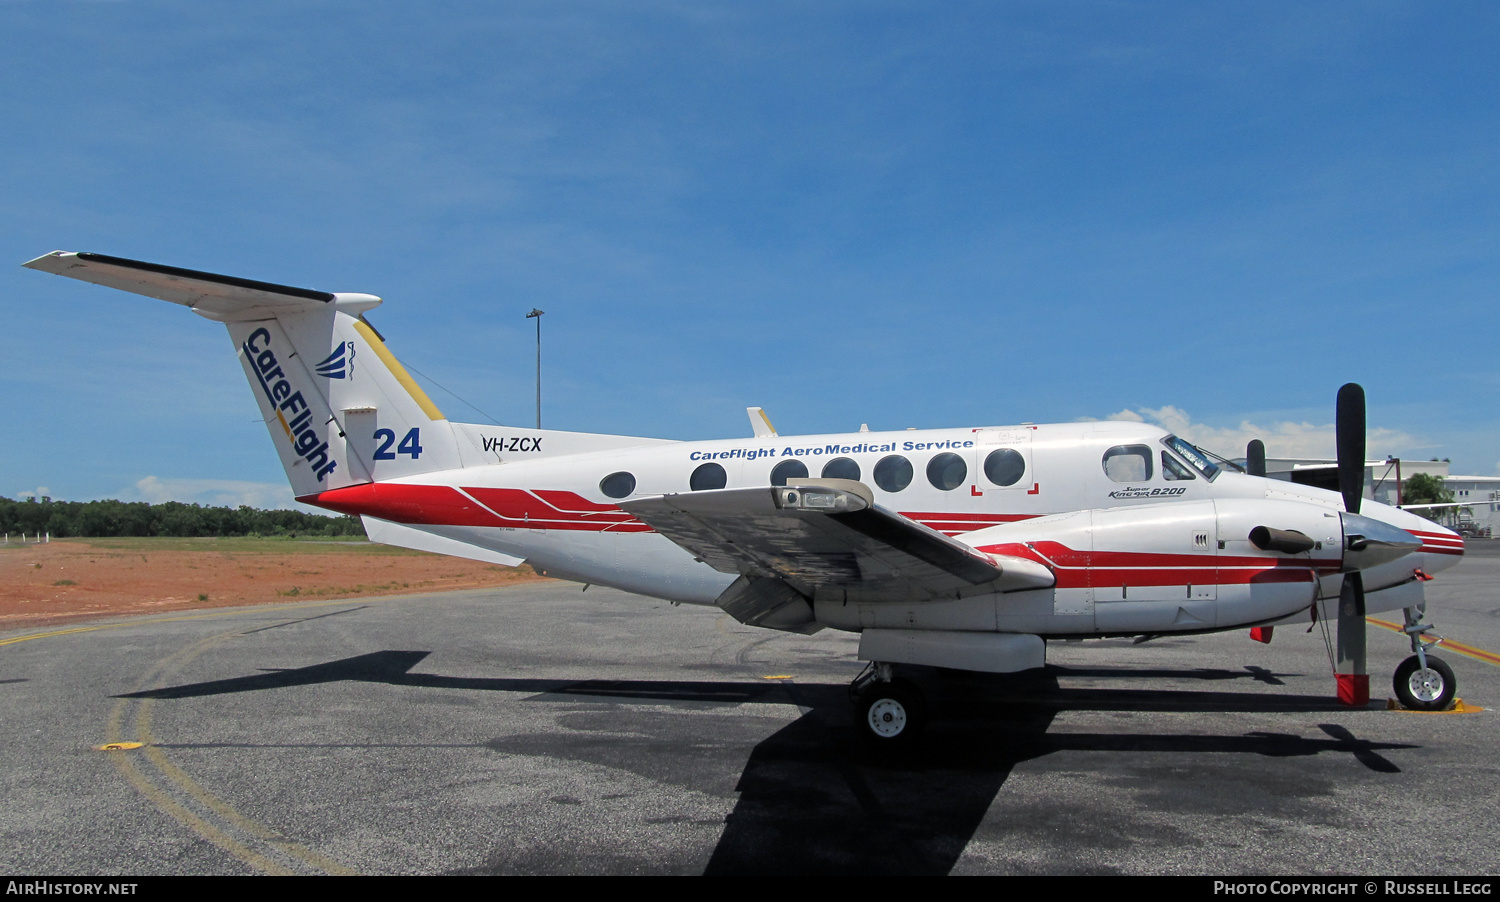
286, 402
339, 364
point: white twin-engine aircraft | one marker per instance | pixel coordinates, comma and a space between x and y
959, 548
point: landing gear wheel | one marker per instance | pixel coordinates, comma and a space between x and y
891, 714
1425, 690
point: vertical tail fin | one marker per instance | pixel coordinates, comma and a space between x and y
340, 408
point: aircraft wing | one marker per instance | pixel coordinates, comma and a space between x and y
826, 538
1415, 507
223, 298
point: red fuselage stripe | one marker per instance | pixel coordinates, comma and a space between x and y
437, 505
1082, 569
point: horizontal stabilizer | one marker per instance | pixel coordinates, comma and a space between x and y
402, 536
217, 297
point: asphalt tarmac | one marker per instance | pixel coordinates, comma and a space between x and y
544, 729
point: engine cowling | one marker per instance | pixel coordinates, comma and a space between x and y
1178, 567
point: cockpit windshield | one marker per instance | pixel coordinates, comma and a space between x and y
1203, 461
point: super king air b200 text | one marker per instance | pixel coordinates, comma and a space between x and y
961, 548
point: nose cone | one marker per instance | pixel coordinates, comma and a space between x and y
1369, 542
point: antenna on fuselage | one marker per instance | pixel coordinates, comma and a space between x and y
760, 424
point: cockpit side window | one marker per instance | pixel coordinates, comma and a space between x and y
1128, 463
1195, 456
1171, 469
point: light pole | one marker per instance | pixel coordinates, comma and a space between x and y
537, 315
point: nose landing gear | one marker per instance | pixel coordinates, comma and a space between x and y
1423, 682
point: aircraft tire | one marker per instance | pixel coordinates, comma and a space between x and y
891, 714
1432, 689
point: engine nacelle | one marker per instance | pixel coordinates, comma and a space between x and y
1173, 567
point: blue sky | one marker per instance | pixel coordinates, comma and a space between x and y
902, 214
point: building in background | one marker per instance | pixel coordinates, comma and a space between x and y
1383, 478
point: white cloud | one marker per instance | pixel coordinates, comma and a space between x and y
214, 493
1283, 439
41, 491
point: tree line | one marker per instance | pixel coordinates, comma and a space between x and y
102, 519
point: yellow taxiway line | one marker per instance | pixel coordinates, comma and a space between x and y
1477, 654
171, 789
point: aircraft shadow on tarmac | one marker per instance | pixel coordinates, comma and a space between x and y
814, 799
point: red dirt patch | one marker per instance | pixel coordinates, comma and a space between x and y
80, 579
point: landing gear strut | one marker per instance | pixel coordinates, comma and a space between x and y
890, 712
1423, 682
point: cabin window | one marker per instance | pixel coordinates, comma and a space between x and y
788, 469
893, 473
1005, 466
947, 471
1128, 463
617, 485
841, 468
1171, 469
708, 476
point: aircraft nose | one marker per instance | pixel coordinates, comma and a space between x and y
1369, 542
1442, 543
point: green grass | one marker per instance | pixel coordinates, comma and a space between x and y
247, 545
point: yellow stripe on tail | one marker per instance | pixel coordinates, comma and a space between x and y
399, 371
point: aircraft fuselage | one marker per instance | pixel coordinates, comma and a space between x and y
1143, 538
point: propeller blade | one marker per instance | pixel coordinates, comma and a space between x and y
1255, 457
1353, 679
1350, 429
1350, 672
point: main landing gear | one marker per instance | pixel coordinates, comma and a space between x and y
890, 712
1423, 682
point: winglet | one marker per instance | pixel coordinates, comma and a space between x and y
760, 424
